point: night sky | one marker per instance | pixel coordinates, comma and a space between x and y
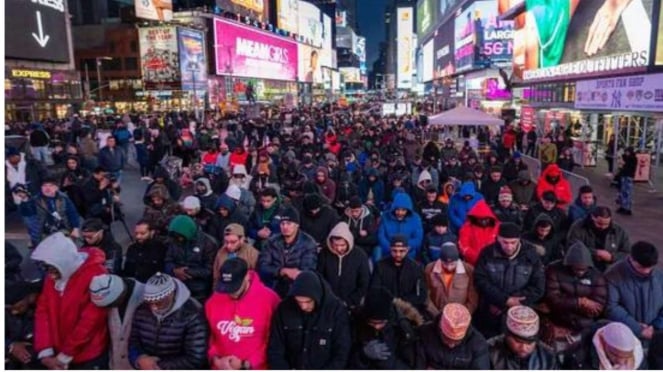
371, 25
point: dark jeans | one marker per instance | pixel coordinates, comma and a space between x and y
611, 163
100, 362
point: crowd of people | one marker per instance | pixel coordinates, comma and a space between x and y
318, 239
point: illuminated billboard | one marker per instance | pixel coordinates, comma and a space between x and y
287, 15
428, 63
310, 70
159, 58
405, 48
256, 9
326, 54
444, 50
154, 10
310, 25
426, 17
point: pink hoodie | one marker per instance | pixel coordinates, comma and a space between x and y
241, 327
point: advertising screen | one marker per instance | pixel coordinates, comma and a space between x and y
255, 9
405, 48
341, 18
444, 50
634, 92
445, 6
193, 64
154, 10
360, 48
310, 70
480, 37
659, 41
36, 30
326, 58
577, 42
428, 61
350, 74
287, 15
159, 59
335, 80
426, 17
247, 52
310, 25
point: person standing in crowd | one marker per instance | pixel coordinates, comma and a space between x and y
450, 280
97, 235
519, 348
490, 189
552, 179
635, 286
239, 315
190, 256
344, 267
576, 296
584, 205
160, 209
401, 219
479, 231
627, 174
450, 342
234, 246
122, 297
547, 153
607, 241
524, 190
310, 328
549, 206
285, 255
610, 155
547, 242
70, 331
430, 207
509, 273
169, 330
401, 275
461, 203
146, 255
112, 159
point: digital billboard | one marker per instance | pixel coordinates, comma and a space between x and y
248, 52
553, 42
159, 58
444, 50
659, 40
480, 37
193, 64
256, 9
350, 74
326, 58
36, 30
633, 92
428, 62
341, 18
310, 25
445, 6
426, 17
405, 48
287, 15
310, 70
161, 10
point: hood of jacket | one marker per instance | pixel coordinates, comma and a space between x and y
323, 170
372, 172
240, 169
60, 252
424, 176
185, 226
225, 201
578, 254
321, 292
481, 210
551, 170
161, 172
401, 200
159, 190
544, 217
208, 186
341, 230
467, 189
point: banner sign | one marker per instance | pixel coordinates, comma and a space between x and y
161, 10
193, 63
633, 93
405, 50
444, 50
159, 59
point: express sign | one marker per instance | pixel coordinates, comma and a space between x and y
36, 30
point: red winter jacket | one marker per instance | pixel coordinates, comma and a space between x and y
237, 158
69, 322
472, 239
509, 139
562, 188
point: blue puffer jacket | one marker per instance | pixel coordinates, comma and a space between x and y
411, 226
633, 299
365, 187
577, 211
275, 255
459, 207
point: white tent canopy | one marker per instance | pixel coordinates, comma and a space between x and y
462, 115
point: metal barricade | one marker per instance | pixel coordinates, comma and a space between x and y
534, 166
575, 180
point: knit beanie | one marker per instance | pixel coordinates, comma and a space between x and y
505, 194
158, 287
105, 289
307, 284
578, 255
378, 304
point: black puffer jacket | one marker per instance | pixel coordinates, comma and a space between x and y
543, 358
178, 339
432, 353
405, 282
145, 259
320, 340
198, 257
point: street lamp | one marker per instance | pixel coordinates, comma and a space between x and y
87, 76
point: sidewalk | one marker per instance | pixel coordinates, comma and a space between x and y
647, 220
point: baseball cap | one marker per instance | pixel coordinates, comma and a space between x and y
232, 275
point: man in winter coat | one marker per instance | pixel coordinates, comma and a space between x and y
371, 188
192, 207
524, 190
319, 218
431, 207
438, 236
450, 280
70, 331
146, 255
401, 275
519, 348
327, 185
363, 225
479, 231
505, 209
607, 241
509, 273
576, 295
549, 205
169, 330
545, 239
461, 203
286, 254
491, 188
263, 223
204, 192
584, 205
122, 297
239, 315
160, 209
401, 219
635, 291
227, 212
385, 336
450, 342
112, 159
310, 328
234, 246
190, 256
344, 266
551, 179
161, 177
97, 235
